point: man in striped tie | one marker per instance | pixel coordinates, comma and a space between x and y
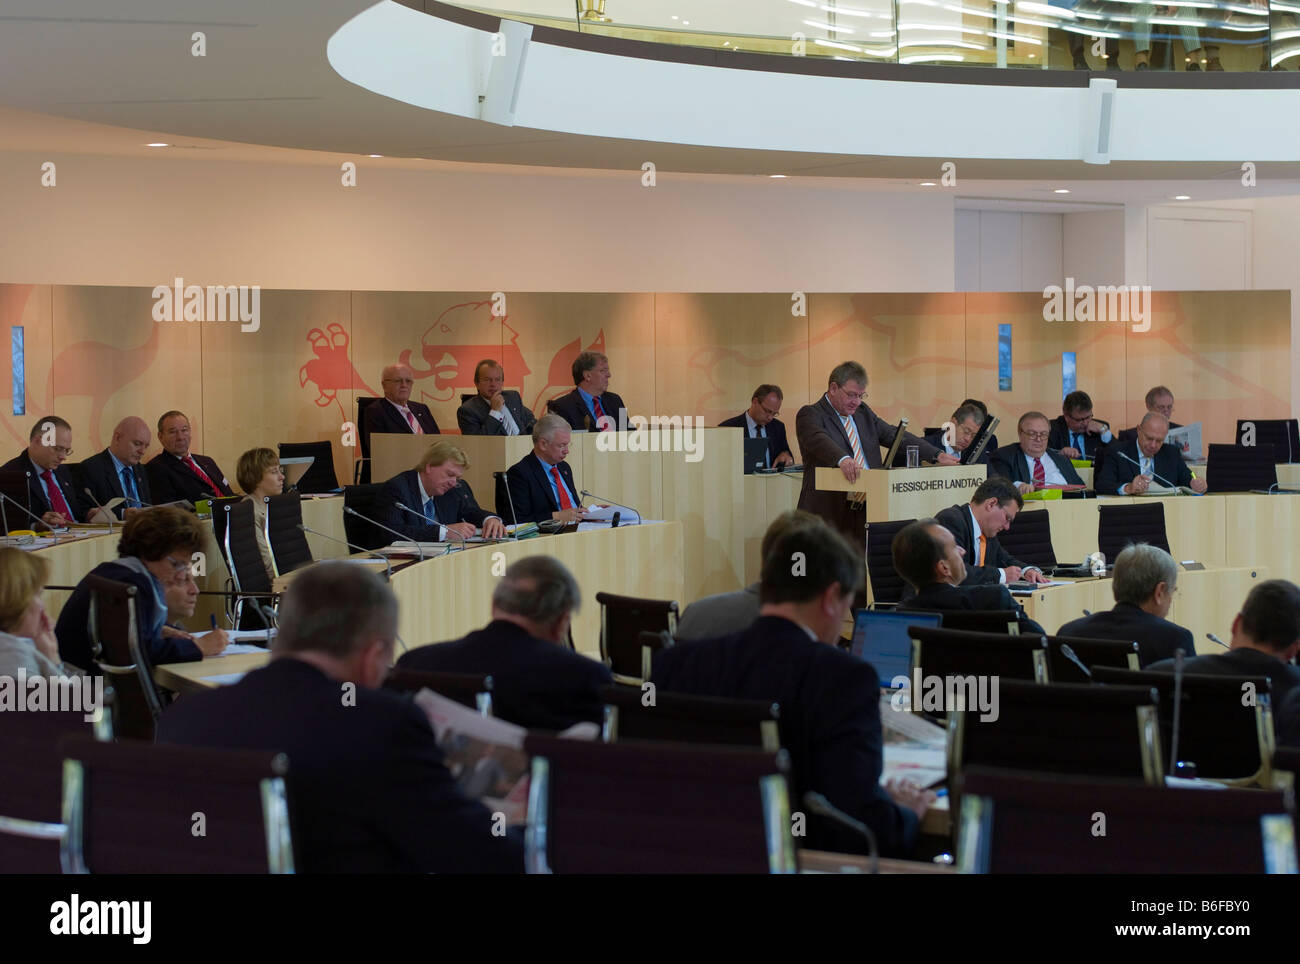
841, 430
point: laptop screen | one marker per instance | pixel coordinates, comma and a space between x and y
880, 637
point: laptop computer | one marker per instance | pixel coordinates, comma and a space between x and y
880, 638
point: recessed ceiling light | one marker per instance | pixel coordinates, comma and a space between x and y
686, 23
1062, 190
778, 175
927, 184
374, 155
157, 144
674, 16
1182, 197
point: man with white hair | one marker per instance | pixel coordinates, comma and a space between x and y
541, 486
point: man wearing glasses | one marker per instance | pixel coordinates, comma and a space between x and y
51, 492
395, 412
1029, 463
1076, 434
841, 431
761, 421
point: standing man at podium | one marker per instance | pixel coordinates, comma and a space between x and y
840, 431
761, 421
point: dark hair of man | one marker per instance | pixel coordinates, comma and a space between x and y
984, 409
487, 363
1004, 490
916, 552
968, 411
845, 372
584, 363
1031, 415
335, 608
765, 390
160, 531
172, 414
1271, 614
54, 420
538, 588
1076, 402
1158, 392
805, 561
781, 525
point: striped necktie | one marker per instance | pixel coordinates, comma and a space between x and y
851, 431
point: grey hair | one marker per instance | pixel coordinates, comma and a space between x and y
546, 426
1138, 570
538, 588
849, 371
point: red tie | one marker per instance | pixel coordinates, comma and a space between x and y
600, 413
1040, 477
57, 502
561, 488
194, 467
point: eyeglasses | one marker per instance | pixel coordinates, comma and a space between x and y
1037, 436
773, 412
60, 451
854, 396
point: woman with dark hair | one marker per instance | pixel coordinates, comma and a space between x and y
155, 551
260, 475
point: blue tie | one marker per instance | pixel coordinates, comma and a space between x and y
1078, 444
430, 511
128, 487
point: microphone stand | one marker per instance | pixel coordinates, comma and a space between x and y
30, 514
588, 495
100, 508
380, 525
819, 805
446, 529
388, 574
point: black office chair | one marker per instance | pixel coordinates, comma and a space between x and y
1026, 823
1091, 653
886, 584
1229, 742
361, 471
622, 620
117, 653
1000, 621
630, 659
359, 532
682, 718
1030, 538
950, 652
320, 476
289, 548
468, 689
252, 582
1123, 525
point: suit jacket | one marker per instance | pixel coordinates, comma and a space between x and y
531, 491
574, 410
719, 615
1009, 463
1242, 661
941, 597
73, 633
535, 683
830, 720
367, 787
457, 505
956, 519
1059, 438
1157, 638
37, 503
936, 439
1130, 434
777, 442
98, 474
823, 442
170, 479
383, 416
1117, 470
1286, 717
475, 416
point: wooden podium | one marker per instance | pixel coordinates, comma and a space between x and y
907, 493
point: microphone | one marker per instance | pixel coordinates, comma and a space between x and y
380, 525
618, 517
1087, 613
100, 507
1069, 654
819, 805
1178, 706
1162, 481
388, 574
587, 495
1215, 639
446, 530
514, 519
30, 514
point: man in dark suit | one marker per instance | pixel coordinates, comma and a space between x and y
976, 526
829, 700
589, 407
176, 473
1131, 467
367, 786
928, 557
435, 492
116, 472
1159, 400
956, 437
541, 483
1029, 463
761, 421
1075, 433
395, 412
1265, 638
537, 681
840, 431
51, 490
493, 411
1144, 583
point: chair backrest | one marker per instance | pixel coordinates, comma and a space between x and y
219, 523
359, 532
320, 477
1030, 823
246, 567
1030, 538
1002, 622
289, 547
651, 808
469, 689
363, 402
624, 618
1122, 525
630, 659
1090, 652
31, 774
886, 584
115, 646
1228, 737
956, 653
137, 808
678, 717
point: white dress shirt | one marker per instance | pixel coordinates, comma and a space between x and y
1051, 474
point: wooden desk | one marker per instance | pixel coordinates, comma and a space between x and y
195, 677
825, 862
766, 497
907, 493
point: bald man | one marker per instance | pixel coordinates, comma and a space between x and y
1131, 467
395, 412
116, 472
